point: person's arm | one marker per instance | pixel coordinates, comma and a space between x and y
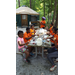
22, 44
43, 23
55, 43
29, 37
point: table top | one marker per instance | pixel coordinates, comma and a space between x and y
34, 45
44, 41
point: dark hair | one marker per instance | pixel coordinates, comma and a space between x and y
51, 23
52, 44
55, 29
27, 28
32, 25
19, 32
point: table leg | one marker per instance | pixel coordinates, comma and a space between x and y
43, 53
35, 52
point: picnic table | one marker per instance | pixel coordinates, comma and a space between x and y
44, 44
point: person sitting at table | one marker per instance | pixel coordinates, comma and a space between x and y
54, 53
52, 33
43, 23
22, 46
32, 30
50, 30
27, 37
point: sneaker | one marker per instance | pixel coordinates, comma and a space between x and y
57, 60
53, 68
24, 60
28, 61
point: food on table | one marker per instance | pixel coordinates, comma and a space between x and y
48, 40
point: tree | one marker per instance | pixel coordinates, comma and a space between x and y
54, 12
30, 3
19, 3
56, 23
44, 8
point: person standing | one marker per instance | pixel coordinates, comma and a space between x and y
43, 23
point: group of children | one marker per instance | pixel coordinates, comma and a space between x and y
24, 39
52, 52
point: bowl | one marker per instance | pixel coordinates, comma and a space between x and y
45, 36
48, 40
36, 36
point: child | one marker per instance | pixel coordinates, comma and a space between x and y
32, 29
22, 46
27, 37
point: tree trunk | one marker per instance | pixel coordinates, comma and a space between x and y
19, 3
44, 8
48, 17
51, 11
30, 3
54, 12
56, 24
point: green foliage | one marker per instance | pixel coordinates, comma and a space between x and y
37, 5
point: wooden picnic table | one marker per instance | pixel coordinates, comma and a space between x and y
42, 46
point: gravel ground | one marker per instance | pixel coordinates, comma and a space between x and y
38, 66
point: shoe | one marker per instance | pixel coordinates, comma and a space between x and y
24, 60
57, 60
53, 68
31, 53
28, 61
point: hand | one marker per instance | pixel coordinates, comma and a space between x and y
47, 38
54, 39
48, 33
33, 35
28, 42
37, 34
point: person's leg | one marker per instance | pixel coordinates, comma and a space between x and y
52, 55
27, 54
29, 49
23, 50
49, 50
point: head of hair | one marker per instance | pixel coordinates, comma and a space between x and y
52, 44
27, 28
19, 32
55, 29
51, 23
32, 25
